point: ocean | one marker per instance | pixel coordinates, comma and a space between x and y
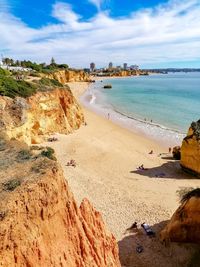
160, 106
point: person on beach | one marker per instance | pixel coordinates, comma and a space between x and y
108, 116
170, 149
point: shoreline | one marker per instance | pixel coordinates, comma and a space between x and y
164, 136
80, 88
107, 157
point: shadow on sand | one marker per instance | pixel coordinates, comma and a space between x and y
154, 254
170, 169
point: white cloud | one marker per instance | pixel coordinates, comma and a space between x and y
169, 33
97, 3
64, 13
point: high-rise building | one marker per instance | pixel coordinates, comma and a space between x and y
125, 66
110, 65
92, 66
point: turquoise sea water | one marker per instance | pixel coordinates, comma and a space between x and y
158, 105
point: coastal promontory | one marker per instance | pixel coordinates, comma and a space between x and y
190, 150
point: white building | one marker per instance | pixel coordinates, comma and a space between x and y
1, 63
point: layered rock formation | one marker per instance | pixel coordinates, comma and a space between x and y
190, 150
184, 225
44, 113
65, 76
40, 222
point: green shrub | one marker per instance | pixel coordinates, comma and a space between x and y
24, 155
11, 185
50, 82
41, 166
49, 153
4, 72
12, 88
34, 74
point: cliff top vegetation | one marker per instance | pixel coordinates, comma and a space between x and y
37, 67
13, 85
9, 86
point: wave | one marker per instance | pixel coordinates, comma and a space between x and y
95, 100
147, 122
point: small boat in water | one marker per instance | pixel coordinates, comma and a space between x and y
107, 86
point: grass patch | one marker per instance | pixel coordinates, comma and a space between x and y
49, 153
41, 166
50, 82
12, 88
11, 185
24, 154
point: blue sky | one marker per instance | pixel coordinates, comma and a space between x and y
150, 33
38, 13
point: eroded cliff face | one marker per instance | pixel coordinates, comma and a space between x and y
190, 150
40, 222
44, 113
65, 76
184, 225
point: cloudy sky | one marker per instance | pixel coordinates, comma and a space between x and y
150, 33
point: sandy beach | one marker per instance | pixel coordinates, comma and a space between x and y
107, 158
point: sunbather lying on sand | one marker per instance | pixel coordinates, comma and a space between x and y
71, 163
141, 167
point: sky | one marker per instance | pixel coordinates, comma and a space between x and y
150, 33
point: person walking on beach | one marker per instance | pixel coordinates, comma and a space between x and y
108, 116
170, 149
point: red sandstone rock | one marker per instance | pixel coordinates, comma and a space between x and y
184, 225
41, 224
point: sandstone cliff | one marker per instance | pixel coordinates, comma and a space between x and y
44, 113
65, 76
190, 149
184, 225
40, 222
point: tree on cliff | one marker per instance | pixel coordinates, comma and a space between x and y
53, 62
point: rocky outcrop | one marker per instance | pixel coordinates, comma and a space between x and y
65, 76
40, 222
124, 73
44, 113
190, 150
184, 225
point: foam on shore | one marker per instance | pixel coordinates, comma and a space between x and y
96, 101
